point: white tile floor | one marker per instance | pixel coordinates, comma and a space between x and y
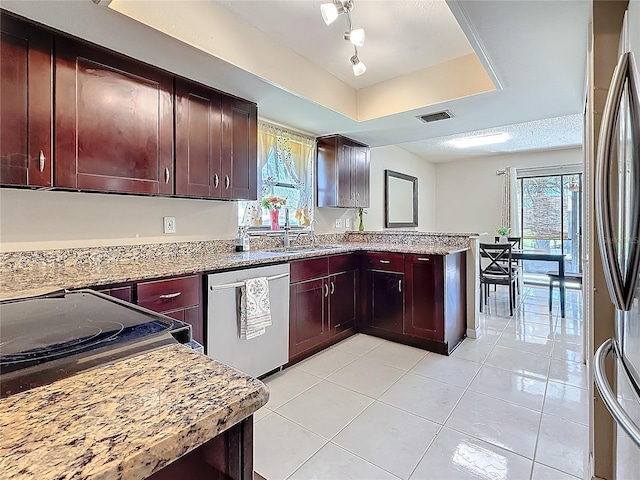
509, 405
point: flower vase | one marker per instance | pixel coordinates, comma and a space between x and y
361, 226
503, 239
274, 215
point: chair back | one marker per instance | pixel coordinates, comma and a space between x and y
514, 241
499, 259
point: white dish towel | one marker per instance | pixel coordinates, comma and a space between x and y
255, 309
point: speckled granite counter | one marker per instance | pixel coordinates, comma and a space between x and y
20, 280
125, 420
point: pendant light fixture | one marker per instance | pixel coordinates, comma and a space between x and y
330, 12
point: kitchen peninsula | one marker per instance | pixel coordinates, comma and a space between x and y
132, 419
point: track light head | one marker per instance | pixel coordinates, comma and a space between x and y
330, 11
358, 67
355, 36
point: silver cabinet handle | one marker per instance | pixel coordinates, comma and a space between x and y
216, 181
608, 397
42, 159
333, 288
326, 290
166, 175
399, 285
227, 182
385, 261
168, 296
423, 259
621, 287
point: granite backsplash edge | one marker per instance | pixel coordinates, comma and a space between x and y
123, 254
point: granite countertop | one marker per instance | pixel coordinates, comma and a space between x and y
21, 282
126, 420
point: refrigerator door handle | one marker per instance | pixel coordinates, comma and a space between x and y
621, 288
608, 397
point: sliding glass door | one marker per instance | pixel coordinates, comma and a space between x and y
550, 209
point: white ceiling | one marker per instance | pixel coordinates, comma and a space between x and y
536, 48
548, 134
401, 36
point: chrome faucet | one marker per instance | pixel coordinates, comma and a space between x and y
287, 227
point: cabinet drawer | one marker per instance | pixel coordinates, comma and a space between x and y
435, 260
390, 262
302, 270
172, 294
342, 263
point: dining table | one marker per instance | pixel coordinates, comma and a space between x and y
545, 256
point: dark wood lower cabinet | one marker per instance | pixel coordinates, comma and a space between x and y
323, 303
384, 301
228, 456
418, 300
308, 326
179, 298
424, 298
343, 305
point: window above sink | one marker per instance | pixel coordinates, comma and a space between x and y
285, 160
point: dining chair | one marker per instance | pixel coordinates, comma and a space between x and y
497, 270
516, 242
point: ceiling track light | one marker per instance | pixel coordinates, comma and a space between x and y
330, 12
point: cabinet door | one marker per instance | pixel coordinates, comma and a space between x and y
346, 174
342, 301
198, 141
240, 149
362, 169
25, 104
308, 315
385, 302
424, 296
114, 122
327, 171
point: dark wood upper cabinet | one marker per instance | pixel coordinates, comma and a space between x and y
239, 149
26, 104
343, 172
198, 141
114, 122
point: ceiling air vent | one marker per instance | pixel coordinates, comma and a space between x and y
434, 117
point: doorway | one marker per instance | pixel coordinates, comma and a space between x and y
551, 220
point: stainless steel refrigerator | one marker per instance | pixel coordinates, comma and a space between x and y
618, 222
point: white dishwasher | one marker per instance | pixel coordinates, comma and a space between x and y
263, 353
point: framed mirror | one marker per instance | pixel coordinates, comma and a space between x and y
400, 200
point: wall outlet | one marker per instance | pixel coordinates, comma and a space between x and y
169, 224
338, 223
347, 222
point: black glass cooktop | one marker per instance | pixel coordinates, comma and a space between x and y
43, 339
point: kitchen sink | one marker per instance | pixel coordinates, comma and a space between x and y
302, 248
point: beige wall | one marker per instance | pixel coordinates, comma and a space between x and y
469, 193
45, 220
399, 160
